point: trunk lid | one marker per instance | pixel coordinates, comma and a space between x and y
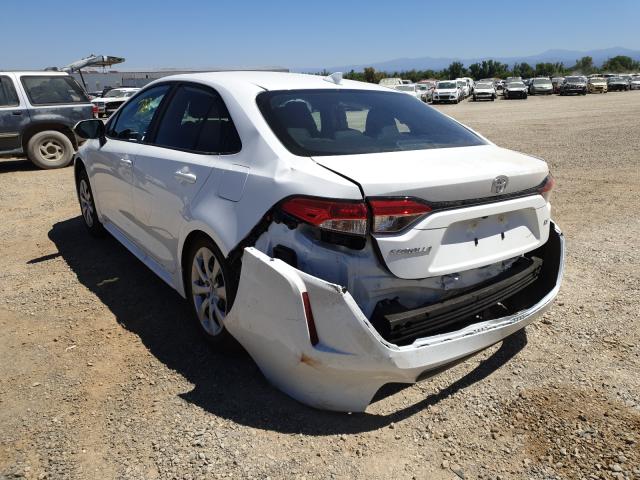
439, 175
453, 240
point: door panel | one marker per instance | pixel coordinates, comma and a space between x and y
164, 186
14, 116
111, 177
112, 164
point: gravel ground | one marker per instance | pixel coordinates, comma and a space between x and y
102, 377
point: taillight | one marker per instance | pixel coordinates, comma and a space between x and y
393, 215
547, 186
333, 215
94, 108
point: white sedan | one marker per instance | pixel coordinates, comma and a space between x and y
346, 235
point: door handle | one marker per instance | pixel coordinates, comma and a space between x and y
16, 112
126, 161
185, 176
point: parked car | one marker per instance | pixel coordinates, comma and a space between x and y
484, 91
540, 86
447, 91
112, 100
425, 89
556, 82
597, 85
573, 85
515, 89
410, 89
634, 82
470, 84
37, 113
342, 254
464, 88
617, 84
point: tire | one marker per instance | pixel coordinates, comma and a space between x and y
50, 149
88, 205
207, 271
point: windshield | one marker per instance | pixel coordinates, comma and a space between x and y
575, 79
345, 122
542, 81
484, 85
515, 84
462, 84
406, 88
116, 92
446, 84
596, 80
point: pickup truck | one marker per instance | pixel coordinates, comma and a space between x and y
38, 111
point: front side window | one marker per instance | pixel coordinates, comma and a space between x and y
358, 121
135, 117
53, 90
8, 95
197, 120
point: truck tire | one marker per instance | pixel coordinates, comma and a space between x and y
50, 149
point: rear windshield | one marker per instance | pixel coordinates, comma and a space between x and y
345, 122
43, 90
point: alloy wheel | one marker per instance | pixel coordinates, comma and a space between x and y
86, 204
208, 288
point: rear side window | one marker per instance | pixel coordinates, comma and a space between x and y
8, 95
135, 117
346, 122
197, 120
53, 90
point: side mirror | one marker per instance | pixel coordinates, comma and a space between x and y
91, 129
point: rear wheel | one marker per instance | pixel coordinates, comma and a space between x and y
210, 288
50, 149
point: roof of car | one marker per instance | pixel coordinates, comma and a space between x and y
273, 80
34, 73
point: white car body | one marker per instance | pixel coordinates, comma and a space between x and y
312, 325
409, 89
447, 91
112, 100
484, 91
634, 82
464, 87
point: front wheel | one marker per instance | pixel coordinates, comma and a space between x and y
88, 205
50, 149
210, 288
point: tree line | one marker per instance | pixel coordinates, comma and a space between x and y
495, 69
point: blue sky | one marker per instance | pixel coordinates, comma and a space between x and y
295, 34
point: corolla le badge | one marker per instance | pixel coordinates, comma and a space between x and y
499, 184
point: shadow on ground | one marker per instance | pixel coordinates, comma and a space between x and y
228, 385
8, 165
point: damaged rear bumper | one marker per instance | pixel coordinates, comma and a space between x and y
351, 361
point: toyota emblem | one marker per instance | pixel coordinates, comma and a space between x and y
499, 184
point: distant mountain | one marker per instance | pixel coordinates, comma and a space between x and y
568, 57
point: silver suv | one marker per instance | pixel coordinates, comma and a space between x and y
37, 113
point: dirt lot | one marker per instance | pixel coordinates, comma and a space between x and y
101, 376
